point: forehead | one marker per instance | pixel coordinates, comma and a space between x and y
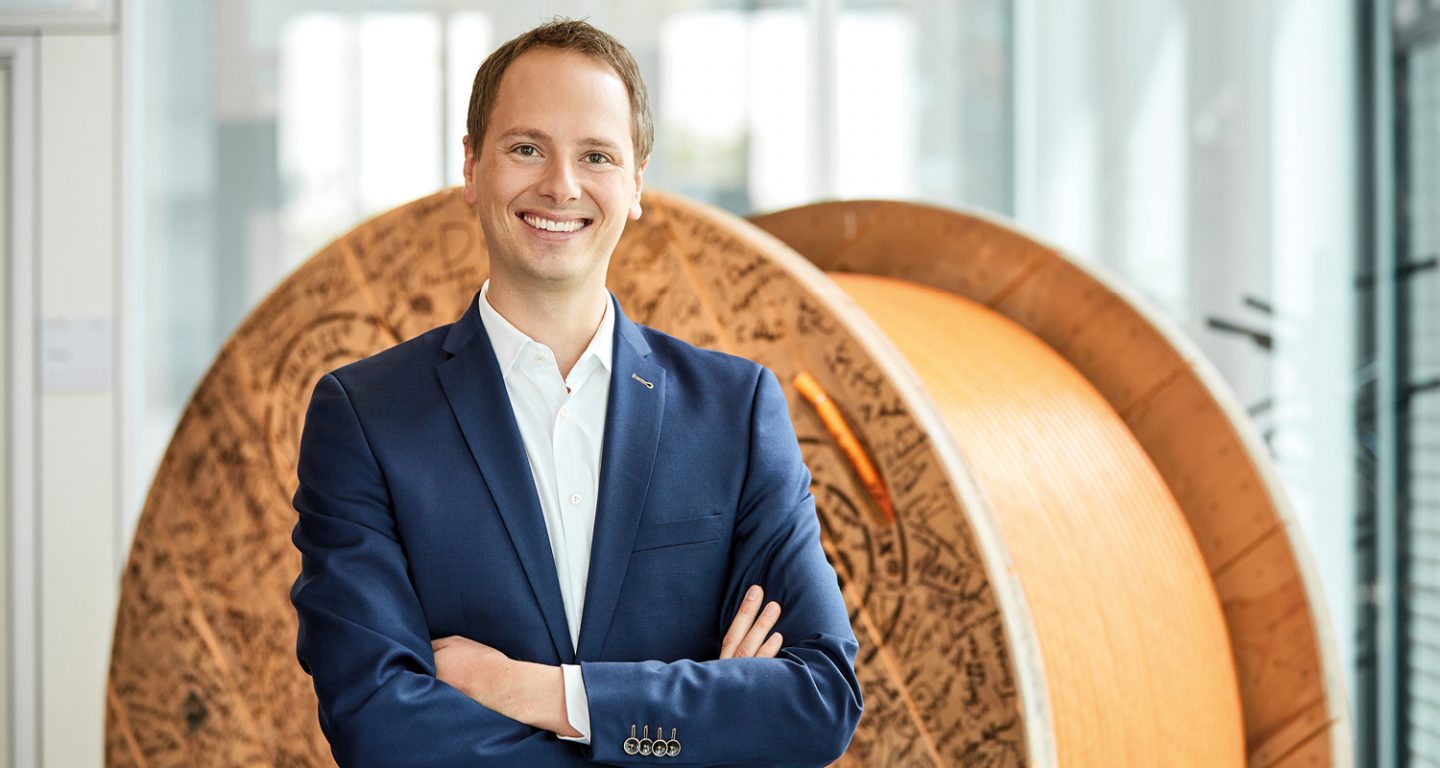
563, 93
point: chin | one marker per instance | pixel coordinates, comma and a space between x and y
556, 274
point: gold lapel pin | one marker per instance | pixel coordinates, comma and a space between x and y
647, 384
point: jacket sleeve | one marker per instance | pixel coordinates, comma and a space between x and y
800, 708
363, 637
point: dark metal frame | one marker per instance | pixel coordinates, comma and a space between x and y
1385, 389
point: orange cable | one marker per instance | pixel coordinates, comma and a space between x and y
839, 429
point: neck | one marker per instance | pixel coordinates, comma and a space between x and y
563, 320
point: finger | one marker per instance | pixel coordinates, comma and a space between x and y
771, 647
759, 630
744, 617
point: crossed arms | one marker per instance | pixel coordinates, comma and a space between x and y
534, 694
364, 638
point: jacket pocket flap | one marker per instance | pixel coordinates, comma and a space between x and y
676, 532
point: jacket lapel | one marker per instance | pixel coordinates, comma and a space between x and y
632, 432
472, 383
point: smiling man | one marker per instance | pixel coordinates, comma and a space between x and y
543, 535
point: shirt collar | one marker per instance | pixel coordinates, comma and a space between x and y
509, 342
602, 344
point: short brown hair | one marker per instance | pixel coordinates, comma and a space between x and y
566, 35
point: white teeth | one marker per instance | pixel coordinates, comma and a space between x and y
553, 226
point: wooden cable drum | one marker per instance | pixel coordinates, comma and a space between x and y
1171, 402
1132, 644
1024, 566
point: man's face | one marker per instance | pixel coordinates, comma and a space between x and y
555, 175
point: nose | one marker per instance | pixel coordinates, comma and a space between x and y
559, 183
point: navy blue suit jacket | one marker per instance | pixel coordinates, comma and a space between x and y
418, 519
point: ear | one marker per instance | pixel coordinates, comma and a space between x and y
639, 185
471, 194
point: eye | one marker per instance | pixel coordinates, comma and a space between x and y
525, 150
597, 158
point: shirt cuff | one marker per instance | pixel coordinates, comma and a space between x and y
577, 704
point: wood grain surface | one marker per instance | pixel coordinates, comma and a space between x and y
1135, 653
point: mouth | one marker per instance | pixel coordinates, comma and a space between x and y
560, 226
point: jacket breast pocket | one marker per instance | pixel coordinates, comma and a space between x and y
695, 530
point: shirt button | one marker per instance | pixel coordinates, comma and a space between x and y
574, 498
564, 413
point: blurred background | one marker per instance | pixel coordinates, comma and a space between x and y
1265, 172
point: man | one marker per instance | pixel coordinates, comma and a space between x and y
521, 533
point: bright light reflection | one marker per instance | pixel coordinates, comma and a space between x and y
399, 115
782, 110
1157, 177
877, 142
315, 139
700, 54
468, 40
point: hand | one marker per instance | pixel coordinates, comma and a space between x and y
474, 668
747, 634
533, 694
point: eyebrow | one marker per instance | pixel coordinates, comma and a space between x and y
526, 133
538, 135
599, 144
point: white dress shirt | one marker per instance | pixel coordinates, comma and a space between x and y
562, 422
